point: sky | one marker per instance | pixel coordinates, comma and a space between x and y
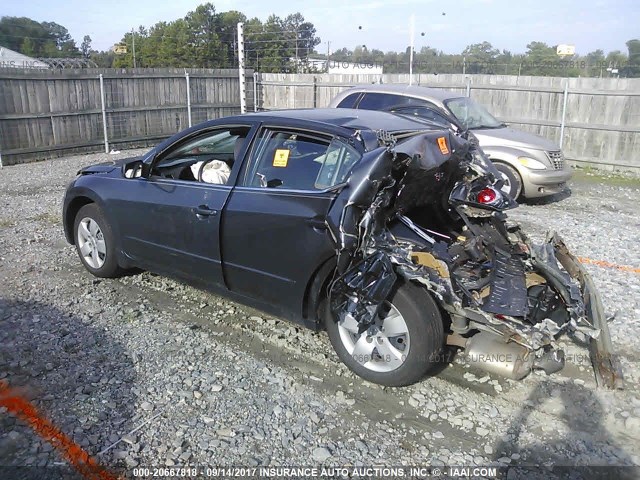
447, 26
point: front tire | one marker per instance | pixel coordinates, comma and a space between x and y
402, 346
95, 242
512, 181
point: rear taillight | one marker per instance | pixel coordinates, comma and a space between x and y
487, 196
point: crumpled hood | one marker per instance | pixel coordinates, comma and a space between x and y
511, 137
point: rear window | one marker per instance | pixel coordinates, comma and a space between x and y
349, 101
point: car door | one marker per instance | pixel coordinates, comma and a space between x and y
274, 228
171, 221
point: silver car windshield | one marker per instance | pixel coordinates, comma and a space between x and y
471, 114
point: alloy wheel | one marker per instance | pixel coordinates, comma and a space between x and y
384, 346
91, 243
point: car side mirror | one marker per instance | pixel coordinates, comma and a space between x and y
145, 170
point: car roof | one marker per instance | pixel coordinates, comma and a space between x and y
345, 118
404, 89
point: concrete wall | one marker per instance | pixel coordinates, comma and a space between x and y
601, 122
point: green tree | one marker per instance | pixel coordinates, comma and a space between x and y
28, 47
595, 62
633, 67
227, 27
200, 33
481, 57
85, 46
615, 60
46, 39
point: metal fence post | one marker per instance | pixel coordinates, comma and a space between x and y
315, 92
241, 73
468, 86
186, 76
564, 111
255, 91
104, 116
1, 165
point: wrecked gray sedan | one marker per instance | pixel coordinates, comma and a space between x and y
389, 233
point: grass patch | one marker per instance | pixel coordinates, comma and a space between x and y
616, 179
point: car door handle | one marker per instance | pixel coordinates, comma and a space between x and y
317, 223
204, 211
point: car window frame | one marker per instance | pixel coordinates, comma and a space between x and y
258, 143
358, 96
446, 122
235, 170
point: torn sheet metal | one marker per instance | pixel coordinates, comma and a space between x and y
483, 272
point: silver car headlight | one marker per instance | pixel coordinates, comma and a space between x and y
532, 163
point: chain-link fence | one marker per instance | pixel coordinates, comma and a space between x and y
48, 114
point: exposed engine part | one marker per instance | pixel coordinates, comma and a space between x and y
491, 353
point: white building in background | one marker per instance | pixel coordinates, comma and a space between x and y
11, 59
319, 64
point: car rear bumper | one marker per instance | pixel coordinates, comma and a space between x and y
540, 183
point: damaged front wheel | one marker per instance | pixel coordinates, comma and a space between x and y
400, 346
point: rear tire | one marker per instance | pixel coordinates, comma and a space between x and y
95, 242
512, 180
408, 350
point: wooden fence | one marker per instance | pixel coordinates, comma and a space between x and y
53, 113
597, 120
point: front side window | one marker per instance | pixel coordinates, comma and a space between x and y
471, 114
299, 161
423, 112
207, 157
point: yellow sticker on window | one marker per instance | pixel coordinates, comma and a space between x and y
281, 157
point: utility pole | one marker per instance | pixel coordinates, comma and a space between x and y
411, 28
241, 74
133, 41
297, 61
328, 54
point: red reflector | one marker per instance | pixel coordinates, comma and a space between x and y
487, 195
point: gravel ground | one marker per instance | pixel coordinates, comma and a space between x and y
203, 380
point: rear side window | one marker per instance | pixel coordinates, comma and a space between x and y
385, 101
299, 161
349, 101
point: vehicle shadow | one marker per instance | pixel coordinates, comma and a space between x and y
75, 375
558, 197
580, 445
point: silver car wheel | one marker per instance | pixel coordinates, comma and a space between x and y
506, 184
91, 243
383, 347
